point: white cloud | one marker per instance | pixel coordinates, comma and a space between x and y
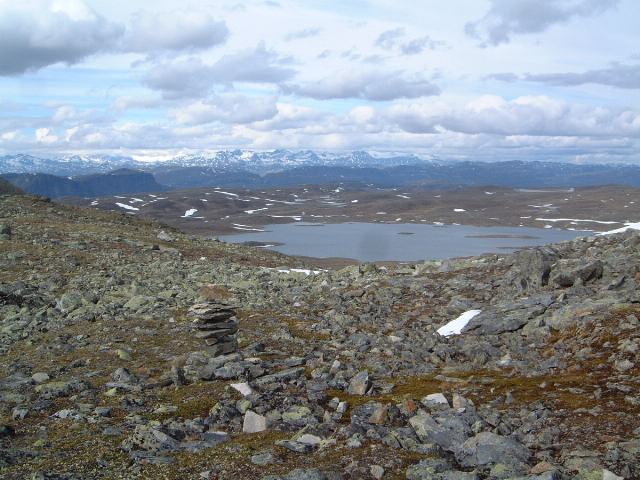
227, 108
529, 115
176, 30
368, 85
44, 135
616, 75
37, 33
192, 77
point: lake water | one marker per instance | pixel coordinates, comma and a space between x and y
401, 242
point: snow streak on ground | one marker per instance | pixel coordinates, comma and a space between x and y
454, 327
126, 207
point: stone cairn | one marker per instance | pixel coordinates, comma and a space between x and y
216, 324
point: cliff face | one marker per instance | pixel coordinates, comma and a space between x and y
338, 374
118, 182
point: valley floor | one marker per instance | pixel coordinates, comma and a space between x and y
215, 211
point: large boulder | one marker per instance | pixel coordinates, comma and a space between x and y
488, 448
531, 269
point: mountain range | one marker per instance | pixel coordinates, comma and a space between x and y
106, 175
219, 162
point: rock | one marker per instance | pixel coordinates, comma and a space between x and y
280, 377
563, 279
253, 423
298, 416
607, 475
69, 302
531, 268
435, 468
138, 302
488, 448
6, 431
359, 384
243, 388
309, 439
590, 272
123, 354
150, 439
449, 434
164, 236
215, 323
61, 389
380, 415
377, 472
624, 365
305, 474
265, 458
40, 377
295, 446
541, 467
435, 399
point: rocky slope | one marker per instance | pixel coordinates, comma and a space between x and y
338, 374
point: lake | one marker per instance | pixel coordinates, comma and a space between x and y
398, 241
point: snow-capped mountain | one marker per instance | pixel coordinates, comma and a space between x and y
258, 162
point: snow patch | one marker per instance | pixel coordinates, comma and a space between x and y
189, 213
454, 327
627, 226
299, 270
574, 220
126, 207
250, 212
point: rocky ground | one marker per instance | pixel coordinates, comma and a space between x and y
338, 374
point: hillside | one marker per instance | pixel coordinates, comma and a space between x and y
104, 371
7, 188
116, 182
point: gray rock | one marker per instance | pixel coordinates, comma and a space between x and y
265, 458
150, 439
531, 268
253, 423
61, 389
40, 377
296, 446
280, 377
165, 237
488, 448
448, 434
359, 384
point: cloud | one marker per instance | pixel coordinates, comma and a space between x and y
192, 77
528, 115
227, 108
304, 33
419, 45
617, 75
508, 17
375, 86
392, 40
389, 38
291, 117
38, 33
177, 30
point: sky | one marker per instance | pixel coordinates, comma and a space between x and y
491, 80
